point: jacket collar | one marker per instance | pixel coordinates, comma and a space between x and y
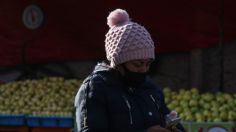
111, 75
108, 74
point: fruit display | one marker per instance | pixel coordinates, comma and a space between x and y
193, 106
54, 96
51, 96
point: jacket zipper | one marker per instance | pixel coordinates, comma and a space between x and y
129, 107
155, 102
158, 107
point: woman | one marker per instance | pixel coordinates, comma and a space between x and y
118, 96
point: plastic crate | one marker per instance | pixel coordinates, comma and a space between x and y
14, 120
14, 129
66, 122
41, 121
49, 129
209, 126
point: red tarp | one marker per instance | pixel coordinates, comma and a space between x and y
75, 30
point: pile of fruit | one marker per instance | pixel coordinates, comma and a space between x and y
52, 96
201, 107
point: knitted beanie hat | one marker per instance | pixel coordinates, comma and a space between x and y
126, 40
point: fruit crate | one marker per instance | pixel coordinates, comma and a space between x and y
12, 120
14, 129
50, 121
209, 126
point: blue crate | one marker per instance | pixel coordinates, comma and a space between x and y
53, 121
66, 122
33, 121
13, 120
40, 121
49, 122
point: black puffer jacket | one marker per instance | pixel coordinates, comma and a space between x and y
105, 104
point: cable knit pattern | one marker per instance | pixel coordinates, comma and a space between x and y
128, 41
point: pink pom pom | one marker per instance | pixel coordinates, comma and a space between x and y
117, 17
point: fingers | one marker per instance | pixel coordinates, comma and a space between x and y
157, 128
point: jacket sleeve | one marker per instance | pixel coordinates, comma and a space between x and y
167, 111
90, 103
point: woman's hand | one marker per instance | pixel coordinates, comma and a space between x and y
172, 128
157, 128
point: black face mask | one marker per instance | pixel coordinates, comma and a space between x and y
134, 79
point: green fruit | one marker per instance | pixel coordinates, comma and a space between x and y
179, 109
217, 120
231, 116
194, 91
206, 113
184, 103
166, 90
206, 106
193, 103
223, 116
190, 117
207, 97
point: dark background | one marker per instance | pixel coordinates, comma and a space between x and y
75, 30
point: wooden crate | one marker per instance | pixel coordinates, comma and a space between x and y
50, 129
14, 129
